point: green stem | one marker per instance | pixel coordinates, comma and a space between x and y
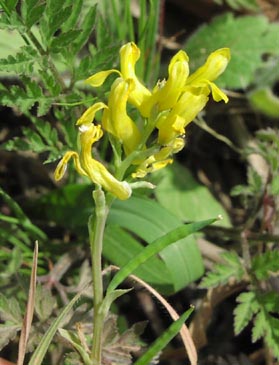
96, 227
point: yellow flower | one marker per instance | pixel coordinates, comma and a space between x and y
89, 115
172, 123
88, 166
214, 66
153, 163
193, 97
129, 54
166, 93
159, 159
116, 120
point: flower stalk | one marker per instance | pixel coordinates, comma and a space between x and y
96, 228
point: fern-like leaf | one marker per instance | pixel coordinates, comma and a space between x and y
244, 311
25, 99
221, 273
265, 264
8, 5
266, 326
21, 63
31, 11
87, 27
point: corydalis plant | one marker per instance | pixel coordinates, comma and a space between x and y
166, 110
140, 146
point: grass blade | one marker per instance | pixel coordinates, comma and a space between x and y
154, 248
164, 339
43, 346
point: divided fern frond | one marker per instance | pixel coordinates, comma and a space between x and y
266, 326
45, 139
258, 328
8, 5
31, 12
87, 28
222, 273
11, 22
265, 264
72, 21
263, 309
24, 98
21, 63
244, 311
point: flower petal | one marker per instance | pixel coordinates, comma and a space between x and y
101, 176
62, 165
214, 66
95, 170
172, 124
129, 55
116, 120
99, 78
217, 93
153, 163
89, 115
166, 93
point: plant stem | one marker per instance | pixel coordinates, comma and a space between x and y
96, 227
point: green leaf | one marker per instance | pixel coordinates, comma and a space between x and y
7, 333
248, 37
182, 195
10, 310
163, 340
9, 24
254, 180
16, 144
265, 101
21, 63
120, 347
88, 24
103, 36
268, 74
154, 248
24, 100
31, 12
120, 247
46, 131
110, 298
266, 326
258, 328
50, 83
63, 40
74, 340
8, 5
44, 303
244, 311
35, 140
221, 273
148, 220
54, 17
71, 22
265, 264
102, 58
40, 352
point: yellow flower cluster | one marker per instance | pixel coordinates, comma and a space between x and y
168, 108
